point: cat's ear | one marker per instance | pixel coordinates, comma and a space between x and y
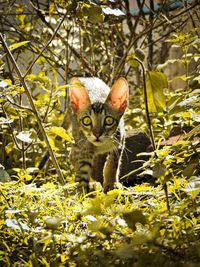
118, 96
79, 98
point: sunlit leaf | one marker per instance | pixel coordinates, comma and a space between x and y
156, 83
115, 12
3, 84
194, 183
16, 224
189, 100
60, 131
90, 218
100, 226
41, 77
25, 137
5, 121
53, 222
10, 211
17, 45
51, 9
12, 112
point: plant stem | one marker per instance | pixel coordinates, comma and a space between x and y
166, 195
146, 104
150, 126
21, 124
33, 107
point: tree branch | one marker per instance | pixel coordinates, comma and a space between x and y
44, 48
33, 107
140, 35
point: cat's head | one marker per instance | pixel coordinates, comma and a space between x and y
99, 121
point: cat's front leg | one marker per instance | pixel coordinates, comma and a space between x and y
84, 168
111, 172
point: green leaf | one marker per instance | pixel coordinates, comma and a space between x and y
12, 112
4, 176
140, 54
132, 61
94, 13
125, 251
182, 105
156, 83
17, 45
190, 169
133, 217
193, 132
159, 170
53, 222
96, 225
60, 131
41, 77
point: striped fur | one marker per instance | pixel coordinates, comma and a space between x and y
98, 128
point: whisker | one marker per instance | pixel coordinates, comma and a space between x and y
125, 149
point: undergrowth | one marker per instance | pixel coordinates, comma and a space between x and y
127, 227
45, 223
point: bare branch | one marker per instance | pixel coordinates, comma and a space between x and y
32, 104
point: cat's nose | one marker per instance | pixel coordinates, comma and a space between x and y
97, 132
97, 135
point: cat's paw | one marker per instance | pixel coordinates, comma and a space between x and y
82, 188
109, 187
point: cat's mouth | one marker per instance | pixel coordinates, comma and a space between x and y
97, 141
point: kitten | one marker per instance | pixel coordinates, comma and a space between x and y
97, 128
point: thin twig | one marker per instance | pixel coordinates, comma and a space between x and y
19, 106
140, 35
150, 36
76, 54
166, 195
11, 132
1, 192
146, 104
45, 47
21, 124
32, 104
150, 126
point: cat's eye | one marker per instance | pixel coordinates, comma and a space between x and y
87, 121
109, 120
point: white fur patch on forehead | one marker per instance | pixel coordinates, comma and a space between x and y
97, 89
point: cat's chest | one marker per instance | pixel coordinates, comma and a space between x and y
106, 147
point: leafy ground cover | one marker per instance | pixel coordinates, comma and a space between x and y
43, 221
127, 227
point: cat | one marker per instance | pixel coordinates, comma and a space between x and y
136, 141
97, 129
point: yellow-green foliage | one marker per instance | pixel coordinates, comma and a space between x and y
127, 227
45, 224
